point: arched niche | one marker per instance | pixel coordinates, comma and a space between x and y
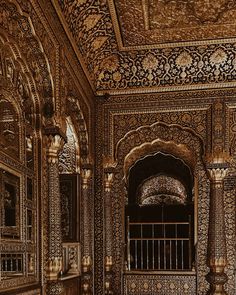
179, 142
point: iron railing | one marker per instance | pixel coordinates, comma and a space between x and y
159, 245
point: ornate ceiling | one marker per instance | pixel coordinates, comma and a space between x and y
130, 46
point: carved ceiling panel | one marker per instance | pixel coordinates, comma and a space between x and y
153, 45
147, 22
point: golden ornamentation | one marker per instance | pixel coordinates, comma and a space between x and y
98, 42
184, 59
54, 268
151, 65
108, 263
150, 62
91, 21
110, 63
55, 144
86, 175
86, 263
108, 178
218, 57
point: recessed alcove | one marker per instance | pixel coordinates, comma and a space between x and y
160, 215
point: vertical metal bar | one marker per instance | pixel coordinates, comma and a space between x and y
147, 254
159, 255
170, 254
176, 246
189, 244
136, 254
17, 268
164, 242
153, 246
182, 253
11, 263
141, 229
128, 243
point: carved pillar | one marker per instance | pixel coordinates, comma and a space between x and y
217, 256
55, 140
86, 173
108, 178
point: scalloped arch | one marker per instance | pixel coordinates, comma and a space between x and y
179, 141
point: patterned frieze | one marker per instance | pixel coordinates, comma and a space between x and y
107, 183
159, 284
18, 282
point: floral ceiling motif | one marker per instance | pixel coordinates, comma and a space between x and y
127, 48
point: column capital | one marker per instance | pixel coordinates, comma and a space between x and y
54, 140
86, 173
217, 165
108, 179
217, 172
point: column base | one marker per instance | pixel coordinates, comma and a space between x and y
217, 281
